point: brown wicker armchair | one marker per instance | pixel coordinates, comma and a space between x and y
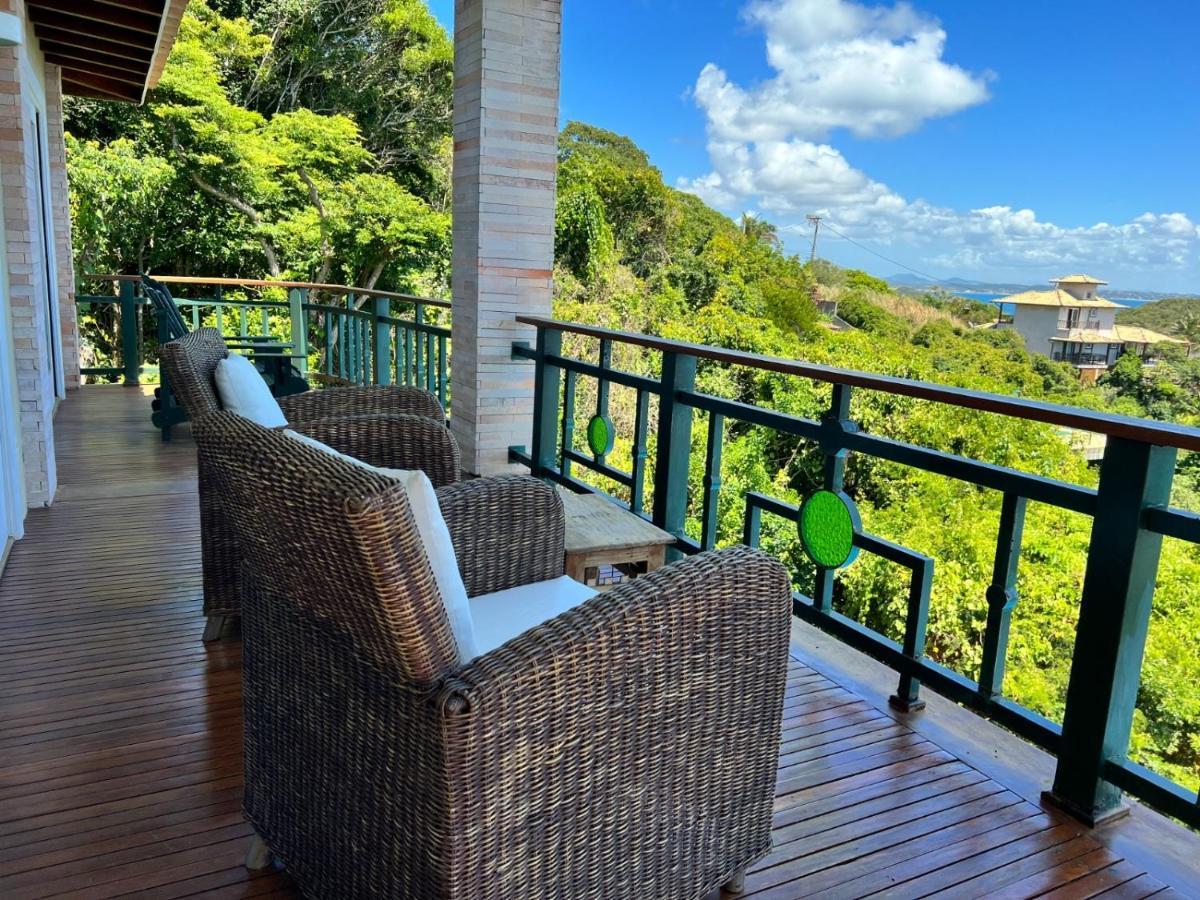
392, 426
626, 748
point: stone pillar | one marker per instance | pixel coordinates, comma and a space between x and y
506, 70
60, 210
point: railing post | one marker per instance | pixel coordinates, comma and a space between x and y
674, 446
544, 453
382, 355
299, 326
129, 334
638, 470
419, 360
834, 423
568, 420
1001, 595
1114, 616
916, 622
712, 480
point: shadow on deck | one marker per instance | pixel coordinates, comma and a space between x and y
120, 733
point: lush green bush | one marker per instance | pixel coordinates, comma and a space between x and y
731, 286
855, 308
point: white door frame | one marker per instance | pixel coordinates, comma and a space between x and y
35, 118
33, 115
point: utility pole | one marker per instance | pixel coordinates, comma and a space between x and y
816, 221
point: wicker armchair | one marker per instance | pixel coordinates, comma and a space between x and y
626, 748
391, 426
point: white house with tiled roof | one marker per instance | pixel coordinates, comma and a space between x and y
1073, 323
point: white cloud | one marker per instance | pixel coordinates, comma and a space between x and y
877, 71
873, 70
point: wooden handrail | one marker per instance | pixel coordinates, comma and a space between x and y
254, 282
1148, 431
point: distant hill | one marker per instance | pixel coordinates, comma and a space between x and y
1165, 316
907, 280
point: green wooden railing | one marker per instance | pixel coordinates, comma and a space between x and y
345, 334
1129, 509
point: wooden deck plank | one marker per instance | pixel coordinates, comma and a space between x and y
120, 732
1094, 883
905, 862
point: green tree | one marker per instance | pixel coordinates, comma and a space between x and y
117, 204
300, 185
386, 64
757, 228
583, 239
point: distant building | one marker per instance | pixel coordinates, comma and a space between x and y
1073, 323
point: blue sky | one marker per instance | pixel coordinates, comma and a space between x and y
1011, 141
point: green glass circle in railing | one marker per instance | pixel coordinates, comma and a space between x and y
828, 521
601, 435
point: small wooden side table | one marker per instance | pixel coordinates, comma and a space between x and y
600, 533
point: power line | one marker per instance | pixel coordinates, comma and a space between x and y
894, 262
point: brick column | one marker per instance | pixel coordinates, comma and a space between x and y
26, 288
506, 69
60, 208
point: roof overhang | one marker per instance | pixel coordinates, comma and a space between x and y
107, 49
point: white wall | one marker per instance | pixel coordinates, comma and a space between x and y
1082, 291
1037, 324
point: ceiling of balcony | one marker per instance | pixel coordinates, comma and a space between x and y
108, 49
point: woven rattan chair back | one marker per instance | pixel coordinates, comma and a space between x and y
190, 363
349, 557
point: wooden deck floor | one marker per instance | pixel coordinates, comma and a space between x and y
120, 732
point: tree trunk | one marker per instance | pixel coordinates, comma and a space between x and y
373, 274
326, 244
250, 213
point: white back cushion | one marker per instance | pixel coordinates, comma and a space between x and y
435, 536
431, 525
242, 390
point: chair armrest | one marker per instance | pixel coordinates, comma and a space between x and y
391, 441
507, 531
360, 401
658, 703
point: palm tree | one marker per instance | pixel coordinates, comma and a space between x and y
759, 229
1189, 330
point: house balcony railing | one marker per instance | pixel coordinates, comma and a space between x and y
1082, 359
357, 338
340, 333
1130, 512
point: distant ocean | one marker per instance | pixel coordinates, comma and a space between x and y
1007, 307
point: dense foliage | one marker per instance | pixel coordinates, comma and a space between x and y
1179, 317
275, 147
637, 255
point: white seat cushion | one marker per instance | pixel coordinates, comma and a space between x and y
242, 390
435, 536
501, 616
